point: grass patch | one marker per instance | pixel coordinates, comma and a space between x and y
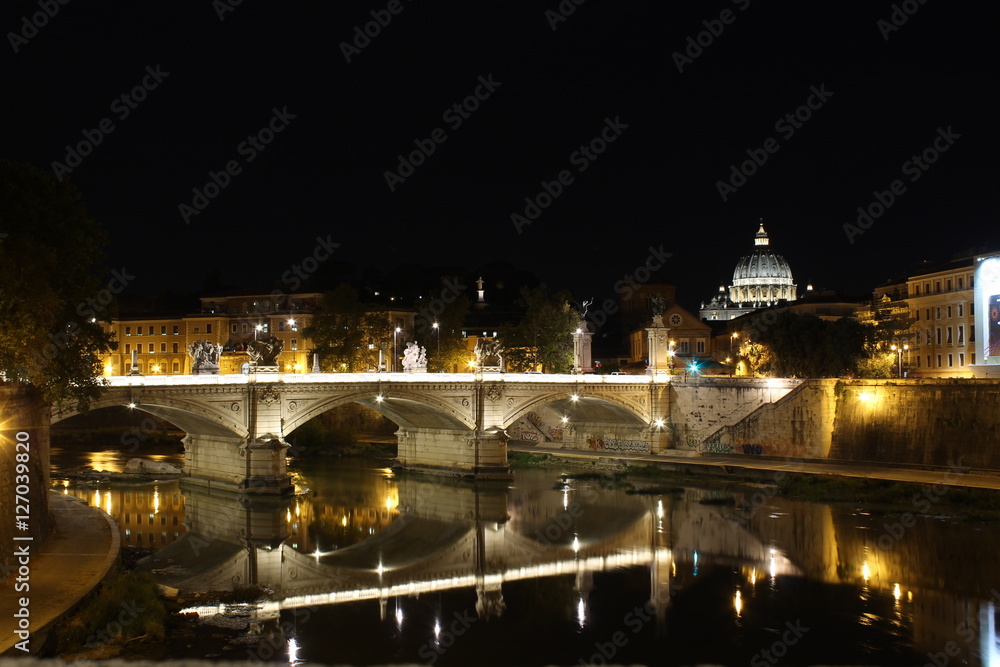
126, 608
526, 459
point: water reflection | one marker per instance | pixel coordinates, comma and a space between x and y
409, 568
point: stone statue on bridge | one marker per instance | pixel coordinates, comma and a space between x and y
264, 351
414, 358
204, 357
489, 354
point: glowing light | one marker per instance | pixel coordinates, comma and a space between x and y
399, 616
288, 516
293, 652
753, 577
581, 612
866, 397
896, 592
659, 509
564, 420
576, 544
574, 398
131, 405
659, 423
437, 629
380, 569
392, 500
107, 502
738, 602
866, 572
343, 522
379, 398
565, 499
156, 500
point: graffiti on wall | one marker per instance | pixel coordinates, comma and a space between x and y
555, 434
615, 445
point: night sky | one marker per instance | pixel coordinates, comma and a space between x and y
677, 115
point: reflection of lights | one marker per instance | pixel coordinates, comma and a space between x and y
293, 652
896, 592
866, 572
738, 602
317, 554
97, 498
565, 498
399, 616
576, 544
392, 500
298, 512
380, 569
909, 596
753, 577
865, 397
343, 522
659, 509
107, 502
437, 629
774, 564
156, 500
581, 612
288, 516
673, 568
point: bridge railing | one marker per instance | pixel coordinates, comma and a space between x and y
310, 378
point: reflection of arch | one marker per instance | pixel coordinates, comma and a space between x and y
603, 408
406, 408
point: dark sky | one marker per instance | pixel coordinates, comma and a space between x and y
607, 65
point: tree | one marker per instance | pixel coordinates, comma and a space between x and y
807, 346
347, 333
51, 300
544, 336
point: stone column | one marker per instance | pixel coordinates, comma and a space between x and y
658, 337
582, 362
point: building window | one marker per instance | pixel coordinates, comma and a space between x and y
961, 310
128, 331
949, 310
163, 347
244, 326
176, 367
208, 328
928, 361
948, 283
684, 347
960, 281
918, 361
295, 343
163, 330
939, 361
972, 358
950, 360
948, 336
937, 286
937, 313
916, 290
927, 313
176, 330
173, 348
917, 312
961, 359
938, 331
961, 335
701, 347
128, 348
196, 329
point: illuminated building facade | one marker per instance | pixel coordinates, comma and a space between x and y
943, 339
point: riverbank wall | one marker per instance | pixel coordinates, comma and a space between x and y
24, 473
947, 423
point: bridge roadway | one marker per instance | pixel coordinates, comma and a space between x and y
449, 423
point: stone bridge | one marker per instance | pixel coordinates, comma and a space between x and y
448, 423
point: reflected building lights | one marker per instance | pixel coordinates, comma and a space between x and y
293, 652
738, 603
581, 612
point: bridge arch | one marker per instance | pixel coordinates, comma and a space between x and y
583, 408
191, 416
407, 409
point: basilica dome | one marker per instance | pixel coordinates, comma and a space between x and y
762, 277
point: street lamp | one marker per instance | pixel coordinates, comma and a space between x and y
732, 339
396, 331
898, 349
256, 330
437, 327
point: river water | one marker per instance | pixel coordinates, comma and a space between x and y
369, 567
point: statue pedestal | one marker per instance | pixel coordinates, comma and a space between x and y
658, 340
582, 362
205, 369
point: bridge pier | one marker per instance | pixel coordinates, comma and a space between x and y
454, 452
237, 464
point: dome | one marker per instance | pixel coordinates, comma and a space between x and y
763, 276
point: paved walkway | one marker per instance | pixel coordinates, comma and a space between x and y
723, 465
81, 550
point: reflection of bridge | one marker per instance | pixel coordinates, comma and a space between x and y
455, 423
449, 537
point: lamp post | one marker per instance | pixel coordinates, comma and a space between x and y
898, 349
437, 327
732, 339
256, 330
395, 331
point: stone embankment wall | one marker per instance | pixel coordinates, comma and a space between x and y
927, 422
21, 412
